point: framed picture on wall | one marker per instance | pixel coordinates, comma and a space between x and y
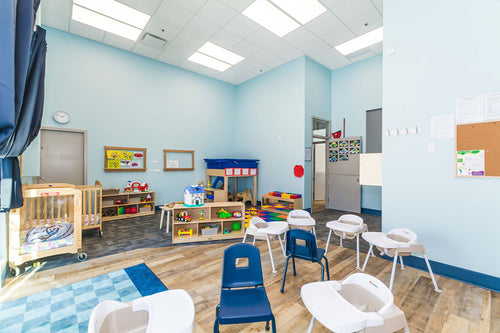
124, 159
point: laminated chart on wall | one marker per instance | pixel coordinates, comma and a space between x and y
470, 163
124, 159
343, 148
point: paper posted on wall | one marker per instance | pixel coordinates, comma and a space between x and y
470, 163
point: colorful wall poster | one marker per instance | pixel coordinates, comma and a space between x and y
470, 163
124, 159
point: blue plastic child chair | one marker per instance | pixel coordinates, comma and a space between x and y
304, 249
248, 303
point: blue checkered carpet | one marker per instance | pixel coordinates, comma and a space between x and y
68, 308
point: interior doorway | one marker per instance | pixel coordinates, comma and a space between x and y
320, 135
63, 156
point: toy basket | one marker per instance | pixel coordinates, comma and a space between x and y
210, 231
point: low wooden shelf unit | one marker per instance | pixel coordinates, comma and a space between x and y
110, 207
193, 231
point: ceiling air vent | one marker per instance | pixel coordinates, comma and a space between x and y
154, 41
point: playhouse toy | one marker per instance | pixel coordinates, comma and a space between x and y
236, 226
193, 196
244, 196
237, 214
185, 232
224, 214
184, 216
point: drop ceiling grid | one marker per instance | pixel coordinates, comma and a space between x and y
188, 24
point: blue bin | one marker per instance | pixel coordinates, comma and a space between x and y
222, 163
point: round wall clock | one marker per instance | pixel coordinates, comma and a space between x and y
62, 117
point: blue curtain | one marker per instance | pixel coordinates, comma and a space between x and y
22, 73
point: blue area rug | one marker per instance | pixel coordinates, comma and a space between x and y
68, 308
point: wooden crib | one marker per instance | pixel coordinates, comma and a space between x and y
49, 223
91, 206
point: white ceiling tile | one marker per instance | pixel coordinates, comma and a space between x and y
145, 6
284, 50
351, 9
54, 20
191, 66
238, 5
201, 27
364, 56
241, 26
332, 59
338, 36
378, 3
217, 12
173, 13
119, 42
244, 48
299, 37
324, 23
189, 40
262, 38
146, 51
377, 48
262, 57
175, 54
208, 71
225, 39
192, 5
162, 29
276, 62
331, 3
365, 23
86, 31
60, 7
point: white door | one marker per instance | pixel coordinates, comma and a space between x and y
319, 154
63, 156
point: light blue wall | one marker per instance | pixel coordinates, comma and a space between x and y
355, 89
443, 50
318, 91
123, 99
270, 125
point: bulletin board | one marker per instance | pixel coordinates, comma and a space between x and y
124, 159
178, 160
478, 141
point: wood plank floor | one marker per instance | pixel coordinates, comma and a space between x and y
197, 269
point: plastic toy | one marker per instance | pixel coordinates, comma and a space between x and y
236, 226
121, 210
224, 214
194, 196
133, 186
226, 231
185, 232
184, 217
236, 214
202, 214
144, 187
120, 202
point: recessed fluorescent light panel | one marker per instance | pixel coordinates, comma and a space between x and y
110, 16
270, 17
358, 43
301, 10
210, 62
220, 53
215, 57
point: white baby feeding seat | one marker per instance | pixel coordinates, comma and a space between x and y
167, 311
260, 229
359, 303
301, 218
347, 226
396, 243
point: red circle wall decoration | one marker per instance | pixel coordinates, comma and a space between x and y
298, 171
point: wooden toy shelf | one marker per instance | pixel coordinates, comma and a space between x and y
267, 199
131, 199
193, 228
